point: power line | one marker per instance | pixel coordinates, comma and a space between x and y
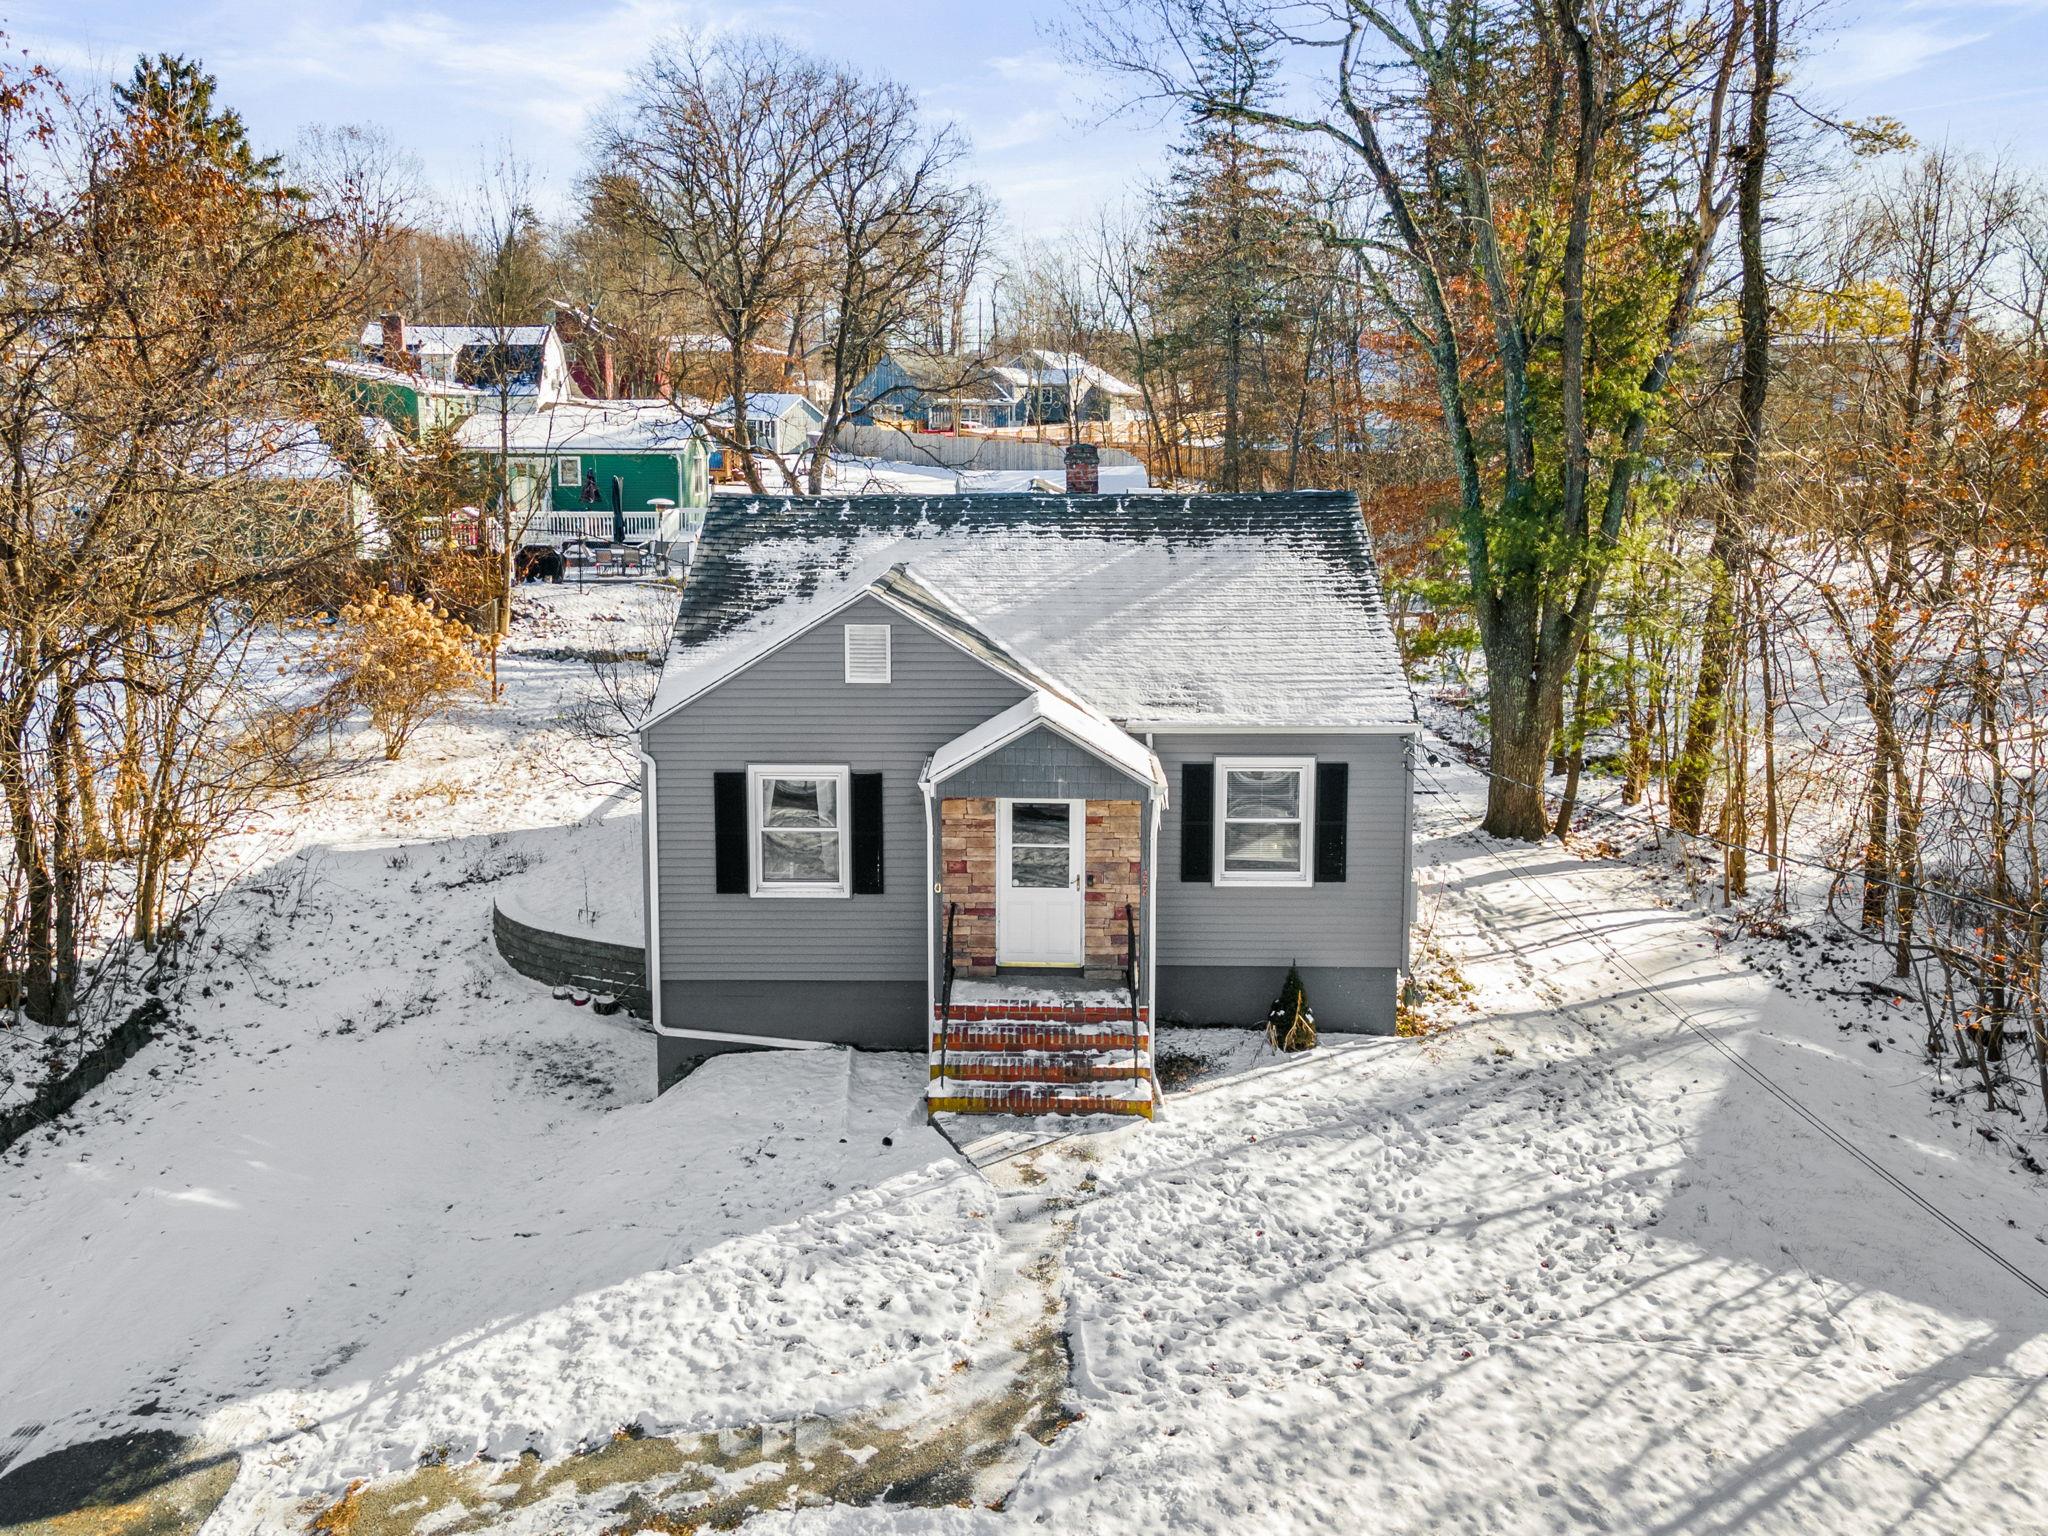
1754, 1072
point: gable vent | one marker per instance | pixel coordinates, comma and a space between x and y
867, 653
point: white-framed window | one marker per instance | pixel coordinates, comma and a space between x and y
569, 471
867, 653
527, 479
1264, 813
797, 830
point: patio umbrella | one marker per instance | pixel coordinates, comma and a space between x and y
618, 510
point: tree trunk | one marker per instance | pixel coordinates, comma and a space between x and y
1728, 553
1522, 723
1575, 758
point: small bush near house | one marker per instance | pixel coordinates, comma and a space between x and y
1290, 1022
402, 660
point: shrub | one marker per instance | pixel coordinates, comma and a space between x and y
1290, 1022
402, 660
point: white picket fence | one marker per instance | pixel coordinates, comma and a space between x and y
669, 525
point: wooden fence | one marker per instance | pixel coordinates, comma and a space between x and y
965, 450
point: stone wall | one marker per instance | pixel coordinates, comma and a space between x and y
57, 1095
1114, 857
568, 960
1115, 850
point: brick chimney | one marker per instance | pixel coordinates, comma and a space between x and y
395, 355
1083, 474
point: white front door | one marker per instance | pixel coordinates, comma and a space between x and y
1038, 881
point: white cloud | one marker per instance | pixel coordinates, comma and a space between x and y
1870, 55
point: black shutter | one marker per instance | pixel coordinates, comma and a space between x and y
867, 834
1333, 803
729, 831
1198, 821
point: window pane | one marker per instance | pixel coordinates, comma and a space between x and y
1039, 822
1262, 847
1263, 792
1038, 869
800, 803
800, 858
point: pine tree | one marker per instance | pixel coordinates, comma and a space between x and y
175, 91
1231, 238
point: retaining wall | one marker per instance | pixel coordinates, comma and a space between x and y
99, 1064
570, 960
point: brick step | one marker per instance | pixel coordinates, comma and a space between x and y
1039, 1035
1052, 1012
961, 1098
1043, 1067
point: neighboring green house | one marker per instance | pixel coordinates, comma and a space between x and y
415, 403
563, 461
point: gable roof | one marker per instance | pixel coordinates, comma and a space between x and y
1036, 365
770, 405
596, 426
1158, 612
447, 340
1085, 727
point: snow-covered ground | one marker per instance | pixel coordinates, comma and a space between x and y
1565, 1264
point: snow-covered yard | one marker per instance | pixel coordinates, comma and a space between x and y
1565, 1265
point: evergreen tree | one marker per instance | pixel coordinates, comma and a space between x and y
1231, 239
177, 93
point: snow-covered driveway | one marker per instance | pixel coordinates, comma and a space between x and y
1566, 1268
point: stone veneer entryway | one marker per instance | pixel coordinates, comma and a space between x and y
1113, 852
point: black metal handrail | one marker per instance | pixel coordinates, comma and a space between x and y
1131, 974
946, 994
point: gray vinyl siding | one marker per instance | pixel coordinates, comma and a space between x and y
1360, 923
795, 706
1043, 764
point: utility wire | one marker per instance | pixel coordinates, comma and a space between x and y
1751, 1070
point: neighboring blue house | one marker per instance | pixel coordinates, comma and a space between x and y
937, 393
1009, 778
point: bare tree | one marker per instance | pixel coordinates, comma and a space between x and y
892, 222
507, 286
716, 159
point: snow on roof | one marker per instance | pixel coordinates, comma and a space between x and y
278, 448
768, 405
1156, 611
609, 426
424, 383
1037, 365
1088, 727
447, 340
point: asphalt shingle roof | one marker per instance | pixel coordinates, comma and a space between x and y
1195, 610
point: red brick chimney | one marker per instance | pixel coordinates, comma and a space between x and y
395, 355
1083, 472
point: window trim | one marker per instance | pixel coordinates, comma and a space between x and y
569, 471
758, 774
888, 655
1305, 769
533, 470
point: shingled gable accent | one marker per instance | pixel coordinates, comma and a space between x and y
1209, 612
897, 590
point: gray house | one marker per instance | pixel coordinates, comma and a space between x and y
1007, 778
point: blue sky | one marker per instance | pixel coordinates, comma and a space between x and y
449, 79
